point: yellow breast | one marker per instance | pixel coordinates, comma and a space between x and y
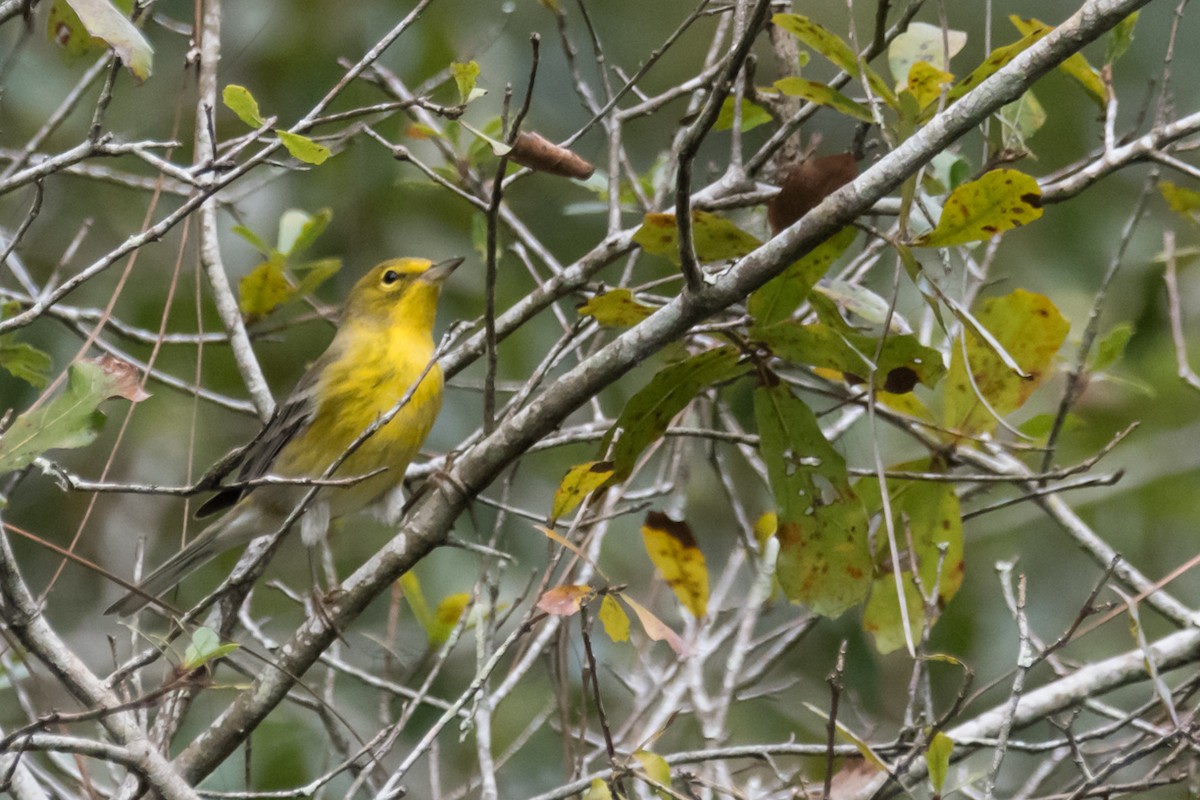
372, 371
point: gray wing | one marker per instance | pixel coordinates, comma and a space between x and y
255, 459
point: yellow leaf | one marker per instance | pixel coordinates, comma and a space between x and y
1001, 200
464, 77
580, 481
239, 100
1030, 329
823, 95
614, 619
598, 790
615, 308
416, 601
765, 528
925, 83
449, 611
1076, 66
264, 289
303, 148
714, 238
678, 559
656, 768
937, 759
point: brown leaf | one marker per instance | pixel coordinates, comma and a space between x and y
125, 380
537, 152
806, 185
563, 601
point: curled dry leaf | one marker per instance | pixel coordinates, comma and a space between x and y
123, 380
563, 601
806, 185
537, 152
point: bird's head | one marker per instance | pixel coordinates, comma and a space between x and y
400, 291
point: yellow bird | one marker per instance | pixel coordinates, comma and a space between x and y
383, 345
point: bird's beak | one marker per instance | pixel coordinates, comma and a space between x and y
440, 271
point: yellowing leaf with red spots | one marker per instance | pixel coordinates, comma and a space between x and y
714, 238
678, 559
1030, 329
614, 619
615, 308
563, 601
999, 201
580, 481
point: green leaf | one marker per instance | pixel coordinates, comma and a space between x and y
315, 273
999, 201
932, 519
1183, 201
21, 360
71, 418
101, 20
25, 361
834, 48
646, 416
1020, 120
715, 238
657, 768
464, 77
253, 238
298, 230
922, 43
903, 360
995, 60
1110, 348
239, 100
303, 148
823, 95
752, 116
1030, 329
615, 308
937, 759
580, 481
1120, 38
264, 289
824, 561
881, 615
205, 648
779, 297
1076, 66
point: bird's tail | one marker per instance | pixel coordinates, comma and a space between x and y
204, 548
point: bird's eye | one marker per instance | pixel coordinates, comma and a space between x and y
390, 277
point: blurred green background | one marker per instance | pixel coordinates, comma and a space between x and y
287, 54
